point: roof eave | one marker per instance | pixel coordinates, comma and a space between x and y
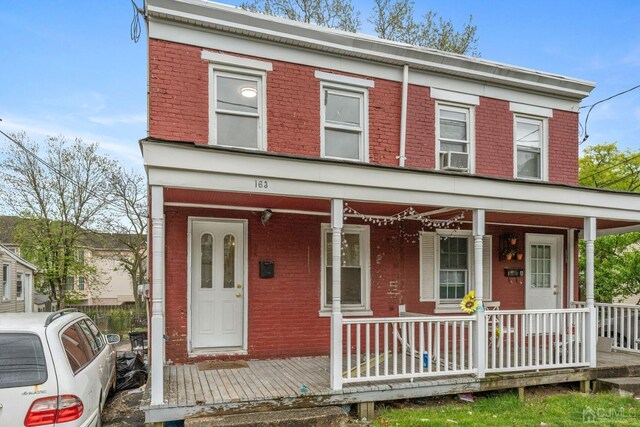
230, 19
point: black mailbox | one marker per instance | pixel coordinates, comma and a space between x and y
267, 269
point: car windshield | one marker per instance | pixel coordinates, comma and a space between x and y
22, 361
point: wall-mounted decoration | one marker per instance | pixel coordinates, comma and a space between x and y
511, 247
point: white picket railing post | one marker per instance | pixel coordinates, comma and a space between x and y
591, 333
337, 214
480, 338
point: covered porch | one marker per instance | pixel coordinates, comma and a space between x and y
415, 342
267, 385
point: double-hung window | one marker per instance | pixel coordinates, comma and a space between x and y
344, 123
530, 146
454, 268
238, 110
20, 286
454, 137
354, 273
6, 282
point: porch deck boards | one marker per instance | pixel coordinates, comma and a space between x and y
268, 384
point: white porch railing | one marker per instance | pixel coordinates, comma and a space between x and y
407, 347
522, 340
620, 322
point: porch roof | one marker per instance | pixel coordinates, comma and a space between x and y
204, 167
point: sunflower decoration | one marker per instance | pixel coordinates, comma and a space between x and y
469, 303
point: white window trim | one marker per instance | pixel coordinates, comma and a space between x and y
456, 97
261, 81
342, 79
6, 283
544, 148
530, 110
365, 255
364, 115
471, 133
452, 306
236, 61
20, 297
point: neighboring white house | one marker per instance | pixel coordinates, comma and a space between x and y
16, 274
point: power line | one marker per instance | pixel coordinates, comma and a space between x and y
60, 173
598, 172
586, 120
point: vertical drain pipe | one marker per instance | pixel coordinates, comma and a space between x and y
403, 114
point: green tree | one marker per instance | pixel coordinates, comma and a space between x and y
392, 20
395, 20
329, 13
57, 203
617, 257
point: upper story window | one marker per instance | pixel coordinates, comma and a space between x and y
237, 101
530, 148
238, 112
455, 130
530, 145
454, 138
344, 116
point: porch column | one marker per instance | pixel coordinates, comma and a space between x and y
480, 330
591, 332
157, 295
337, 214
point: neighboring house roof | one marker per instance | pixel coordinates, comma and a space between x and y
18, 259
231, 19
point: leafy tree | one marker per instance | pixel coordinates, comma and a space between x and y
329, 13
395, 20
129, 226
617, 257
392, 20
57, 202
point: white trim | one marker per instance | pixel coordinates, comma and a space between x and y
207, 17
17, 258
21, 276
571, 255
456, 97
365, 257
6, 282
363, 95
544, 147
558, 240
157, 231
470, 111
239, 74
530, 110
245, 320
347, 80
236, 61
467, 234
188, 166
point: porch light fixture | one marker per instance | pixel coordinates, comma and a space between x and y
248, 92
266, 216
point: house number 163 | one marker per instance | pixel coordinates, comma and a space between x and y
261, 183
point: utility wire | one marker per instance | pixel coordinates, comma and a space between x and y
135, 22
598, 172
586, 120
60, 173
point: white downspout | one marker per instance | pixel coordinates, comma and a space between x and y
403, 114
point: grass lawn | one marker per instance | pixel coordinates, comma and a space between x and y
564, 409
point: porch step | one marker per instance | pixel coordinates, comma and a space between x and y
330, 416
626, 386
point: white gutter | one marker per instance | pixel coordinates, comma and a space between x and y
403, 114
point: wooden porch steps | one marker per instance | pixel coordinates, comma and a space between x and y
625, 386
329, 416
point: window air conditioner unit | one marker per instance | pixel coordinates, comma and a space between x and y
455, 161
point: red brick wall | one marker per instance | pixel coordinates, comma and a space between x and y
178, 110
563, 147
178, 92
494, 138
283, 311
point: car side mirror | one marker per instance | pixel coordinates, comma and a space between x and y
113, 338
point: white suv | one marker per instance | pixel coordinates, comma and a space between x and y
55, 369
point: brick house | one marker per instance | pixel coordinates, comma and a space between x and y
315, 192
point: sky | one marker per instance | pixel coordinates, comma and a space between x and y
71, 68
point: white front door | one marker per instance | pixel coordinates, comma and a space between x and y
543, 271
217, 285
